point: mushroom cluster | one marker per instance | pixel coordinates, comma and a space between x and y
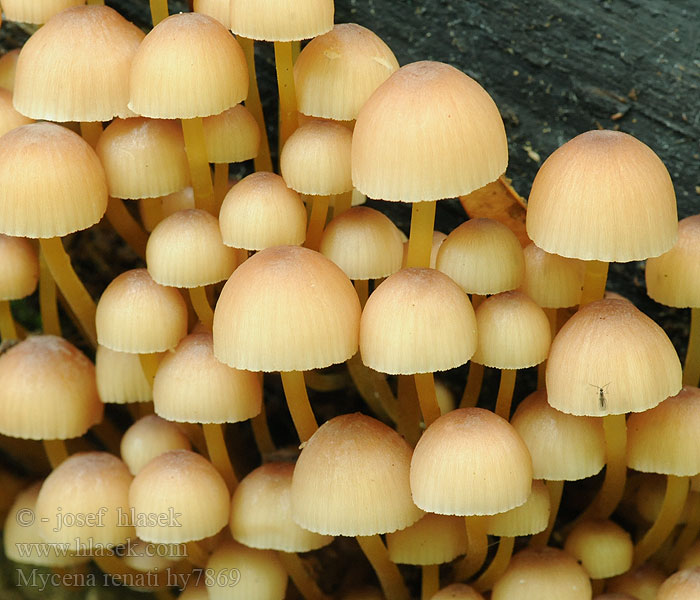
235, 282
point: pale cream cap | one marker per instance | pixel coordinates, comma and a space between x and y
120, 377
432, 540
9, 117
603, 548
19, 268
428, 132
219, 9
76, 67
352, 478
281, 20
609, 347
642, 582
457, 591
231, 136
149, 437
36, 12
337, 72
153, 210
603, 195
551, 280
682, 585
526, 519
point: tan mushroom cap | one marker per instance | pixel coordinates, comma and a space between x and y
457, 591
71, 194
9, 117
36, 12
337, 72
137, 315
432, 540
186, 492
585, 200
526, 519
603, 548
483, 256
219, 9
188, 66
281, 21
470, 462
120, 377
352, 478
260, 211
551, 280
153, 210
149, 437
143, 158
364, 243
8, 65
286, 309
261, 512
93, 484
673, 278
231, 136
417, 321
609, 347
514, 332
48, 390
192, 386
428, 132
642, 582
76, 67
682, 585
19, 268
563, 447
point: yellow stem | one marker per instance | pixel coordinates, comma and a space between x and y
317, 221
195, 435
362, 289
96, 2
325, 382
409, 415
200, 172
91, 132
477, 548
304, 582
597, 586
425, 387
197, 555
505, 393
691, 369
420, 241
555, 489
498, 565
296, 49
218, 454
8, 331
687, 536
159, 11
48, 306
430, 581
287, 91
594, 282
73, 290
56, 452
473, 388
341, 203
374, 389
387, 572
149, 366
298, 403
262, 161
220, 184
261, 433
205, 314
671, 509
126, 226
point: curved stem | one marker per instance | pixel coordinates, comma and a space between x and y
505, 393
205, 314
555, 489
341, 203
126, 226
261, 433
687, 536
430, 581
149, 366
594, 282
691, 368
362, 289
425, 387
477, 548
388, 573
671, 509
408, 424
298, 403
159, 11
80, 302
218, 454
287, 91
8, 331
317, 221
374, 389
473, 388
420, 242
200, 173
498, 565
304, 582
262, 161
48, 306
56, 452
220, 184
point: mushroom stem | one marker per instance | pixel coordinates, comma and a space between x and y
261, 433
420, 241
287, 91
149, 366
425, 387
687, 536
262, 161
555, 489
96, 2
298, 573
374, 389
298, 403
73, 290
341, 203
159, 10
594, 282
200, 173
477, 548
430, 581
362, 289
220, 184
218, 455
48, 306
387, 572
691, 368
671, 509
498, 565
205, 314
91, 131
126, 226
409, 410
197, 555
317, 222
56, 452
470, 398
505, 393
8, 331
